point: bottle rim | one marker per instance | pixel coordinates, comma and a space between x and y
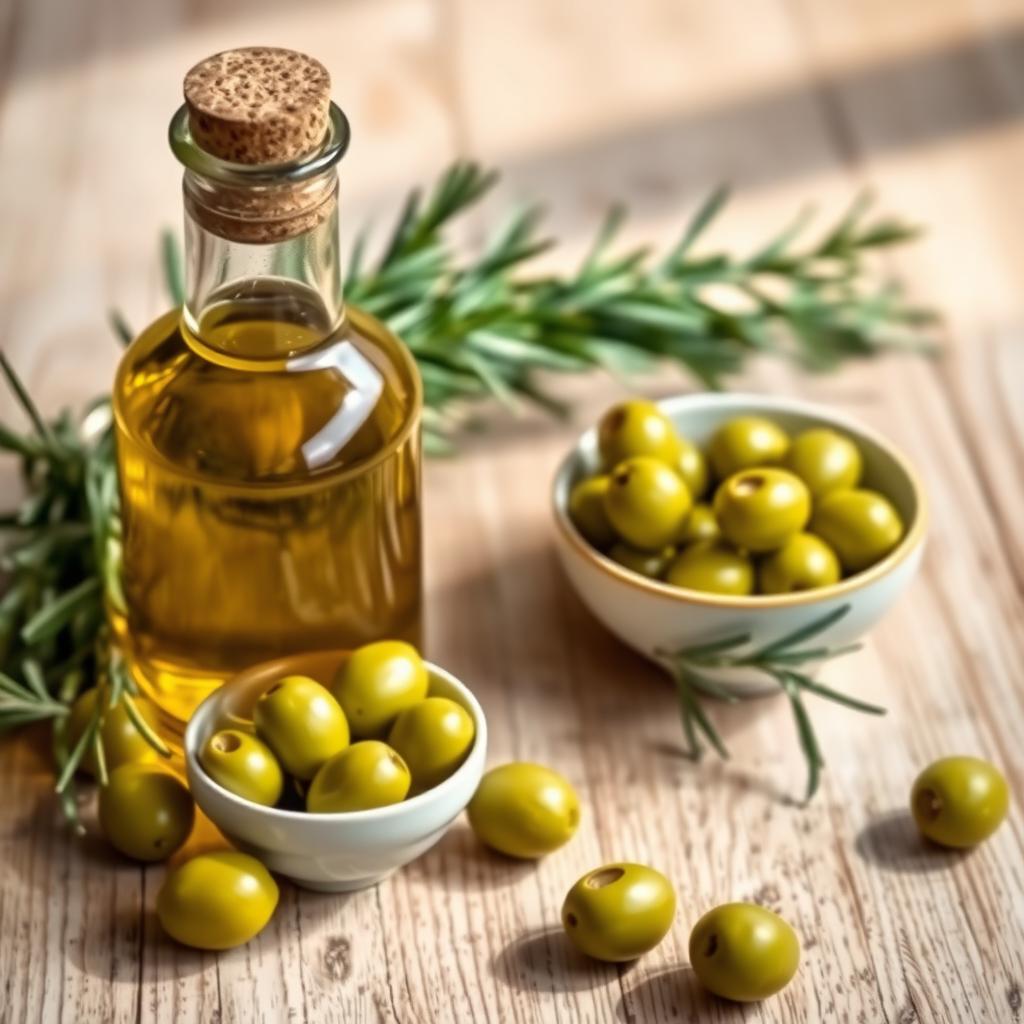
192, 156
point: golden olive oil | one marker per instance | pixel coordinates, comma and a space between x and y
270, 489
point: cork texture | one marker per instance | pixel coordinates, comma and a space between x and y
258, 104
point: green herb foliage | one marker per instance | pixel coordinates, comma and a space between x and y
781, 660
479, 326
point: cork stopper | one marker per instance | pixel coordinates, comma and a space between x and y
258, 104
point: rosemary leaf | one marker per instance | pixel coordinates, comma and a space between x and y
52, 617
144, 728
101, 758
78, 751
120, 327
25, 400
705, 214
798, 636
806, 683
687, 702
699, 718
805, 732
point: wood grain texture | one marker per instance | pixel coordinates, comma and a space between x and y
651, 102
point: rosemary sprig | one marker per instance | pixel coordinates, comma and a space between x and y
482, 326
781, 660
479, 326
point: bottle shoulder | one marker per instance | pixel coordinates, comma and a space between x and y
337, 407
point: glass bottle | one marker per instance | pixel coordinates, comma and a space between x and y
267, 440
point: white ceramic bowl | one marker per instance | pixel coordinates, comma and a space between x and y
653, 617
328, 852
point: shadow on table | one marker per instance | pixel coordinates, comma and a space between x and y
673, 994
545, 961
891, 842
461, 863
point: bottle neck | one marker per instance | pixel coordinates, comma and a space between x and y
263, 278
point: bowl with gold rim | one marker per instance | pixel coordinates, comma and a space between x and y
660, 620
330, 852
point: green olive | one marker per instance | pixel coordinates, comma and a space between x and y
367, 774
760, 509
825, 460
217, 900
302, 724
587, 512
122, 741
145, 811
647, 563
745, 443
524, 810
804, 562
743, 952
377, 682
636, 427
244, 765
714, 567
700, 524
619, 911
861, 526
433, 738
646, 502
959, 801
691, 465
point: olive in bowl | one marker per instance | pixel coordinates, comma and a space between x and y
704, 592
333, 851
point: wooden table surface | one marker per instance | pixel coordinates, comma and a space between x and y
581, 102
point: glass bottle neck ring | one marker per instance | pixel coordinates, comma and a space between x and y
189, 153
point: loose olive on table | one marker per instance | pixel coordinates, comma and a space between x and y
145, 812
646, 502
378, 681
217, 900
433, 738
366, 775
959, 801
743, 952
302, 724
619, 912
524, 810
243, 764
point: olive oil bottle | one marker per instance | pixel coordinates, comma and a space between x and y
267, 436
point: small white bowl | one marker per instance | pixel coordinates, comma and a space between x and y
328, 852
654, 617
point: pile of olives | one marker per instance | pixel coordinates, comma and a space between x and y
757, 513
298, 750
